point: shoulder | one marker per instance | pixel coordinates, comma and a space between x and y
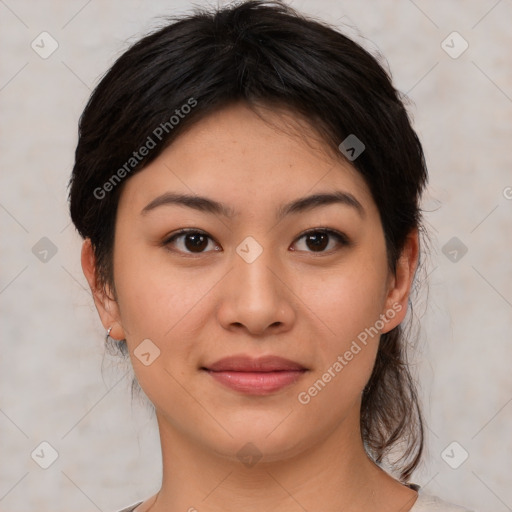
430, 503
131, 508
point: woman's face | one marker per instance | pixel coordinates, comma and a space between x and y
249, 281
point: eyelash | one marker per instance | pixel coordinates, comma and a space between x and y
341, 238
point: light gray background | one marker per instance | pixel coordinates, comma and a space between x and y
52, 387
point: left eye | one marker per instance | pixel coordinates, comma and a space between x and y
319, 239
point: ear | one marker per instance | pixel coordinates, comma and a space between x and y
399, 284
106, 306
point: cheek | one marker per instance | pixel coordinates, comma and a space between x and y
345, 306
156, 299
346, 350
167, 307
347, 300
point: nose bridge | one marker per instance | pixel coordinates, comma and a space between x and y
252, 267
254, 295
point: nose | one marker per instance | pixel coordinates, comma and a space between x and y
256, 297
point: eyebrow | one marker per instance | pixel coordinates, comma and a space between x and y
205, 204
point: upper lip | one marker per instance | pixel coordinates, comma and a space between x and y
244, 363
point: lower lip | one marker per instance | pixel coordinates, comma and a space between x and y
257, 383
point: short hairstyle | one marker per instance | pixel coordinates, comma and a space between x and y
262, 53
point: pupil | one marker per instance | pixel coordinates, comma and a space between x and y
316, 243
198, 242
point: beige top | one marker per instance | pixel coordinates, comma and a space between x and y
429, 503
424, 503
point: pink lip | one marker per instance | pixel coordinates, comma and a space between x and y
257, 383
255, 376
250, 364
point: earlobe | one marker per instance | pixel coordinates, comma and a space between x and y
401, 282
107, 308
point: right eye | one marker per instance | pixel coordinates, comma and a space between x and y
189, 241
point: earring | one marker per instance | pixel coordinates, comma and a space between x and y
121, 341
108, 333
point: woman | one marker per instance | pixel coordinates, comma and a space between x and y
247, 184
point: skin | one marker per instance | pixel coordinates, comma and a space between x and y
292, 301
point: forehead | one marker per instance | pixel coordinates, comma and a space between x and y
236, 157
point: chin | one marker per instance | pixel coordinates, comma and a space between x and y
263, 443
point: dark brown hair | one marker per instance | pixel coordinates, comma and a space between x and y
264, 54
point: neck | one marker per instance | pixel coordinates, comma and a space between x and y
334, 474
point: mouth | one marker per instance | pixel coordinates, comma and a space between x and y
255, 376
